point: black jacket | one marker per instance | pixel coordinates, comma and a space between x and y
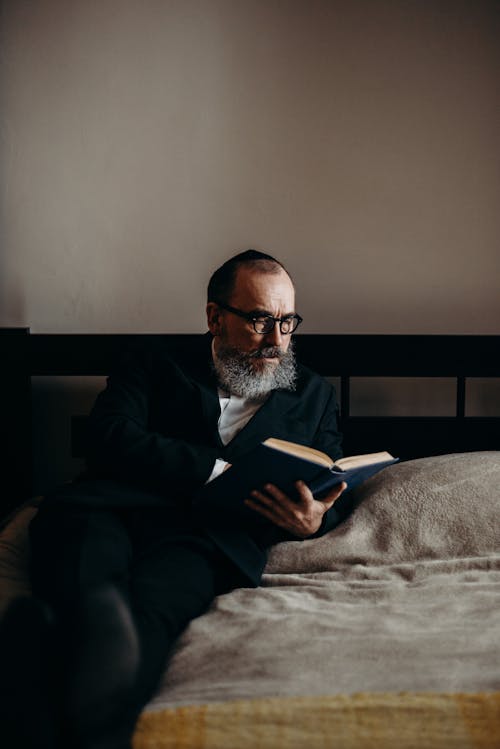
153, 438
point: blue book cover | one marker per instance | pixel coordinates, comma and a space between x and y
282, 463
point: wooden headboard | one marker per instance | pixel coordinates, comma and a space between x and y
344, 356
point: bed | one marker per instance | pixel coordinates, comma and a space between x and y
386, 631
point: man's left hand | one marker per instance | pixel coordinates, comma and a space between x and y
300, 516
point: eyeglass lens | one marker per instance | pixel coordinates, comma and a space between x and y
266, 325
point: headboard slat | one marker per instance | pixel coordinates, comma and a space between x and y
344, 356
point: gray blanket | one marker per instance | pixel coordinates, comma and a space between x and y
404, 596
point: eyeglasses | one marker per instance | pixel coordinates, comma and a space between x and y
263, 323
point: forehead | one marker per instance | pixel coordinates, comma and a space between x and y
254, 289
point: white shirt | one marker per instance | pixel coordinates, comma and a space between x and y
235, 413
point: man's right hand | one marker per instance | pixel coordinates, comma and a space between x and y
301, 516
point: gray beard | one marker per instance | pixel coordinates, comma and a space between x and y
236, 374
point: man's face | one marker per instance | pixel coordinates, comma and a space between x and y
257, 293
249, 364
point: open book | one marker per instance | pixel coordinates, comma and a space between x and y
282, 463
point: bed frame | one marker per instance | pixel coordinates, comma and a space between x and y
344, 356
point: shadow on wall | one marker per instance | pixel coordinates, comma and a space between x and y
12, 292
12, 298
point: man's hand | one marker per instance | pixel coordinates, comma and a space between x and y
302, 516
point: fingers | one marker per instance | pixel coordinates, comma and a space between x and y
301, 515
305, 494
334, 494
276, 505
271, 502
272, 496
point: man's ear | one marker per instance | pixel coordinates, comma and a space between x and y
213, 318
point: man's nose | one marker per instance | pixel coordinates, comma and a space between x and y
273, 338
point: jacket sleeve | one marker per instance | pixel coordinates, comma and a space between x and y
328, 438
122, 446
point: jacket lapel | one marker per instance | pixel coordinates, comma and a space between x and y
206, 382
271, 420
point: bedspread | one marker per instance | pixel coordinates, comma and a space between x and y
384, 632
403, 596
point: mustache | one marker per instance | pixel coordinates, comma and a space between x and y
268, 352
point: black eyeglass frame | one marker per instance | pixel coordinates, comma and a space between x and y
254, 319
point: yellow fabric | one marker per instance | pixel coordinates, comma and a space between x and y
360, 721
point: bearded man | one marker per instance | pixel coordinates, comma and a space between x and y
121, 561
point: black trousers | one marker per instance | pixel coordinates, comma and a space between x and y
166, 567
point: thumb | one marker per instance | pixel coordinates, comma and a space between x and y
335, 493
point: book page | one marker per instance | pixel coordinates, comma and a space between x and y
300, 451
354, 461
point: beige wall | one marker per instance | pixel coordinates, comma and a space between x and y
145, 140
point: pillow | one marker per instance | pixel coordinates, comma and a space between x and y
440, 507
